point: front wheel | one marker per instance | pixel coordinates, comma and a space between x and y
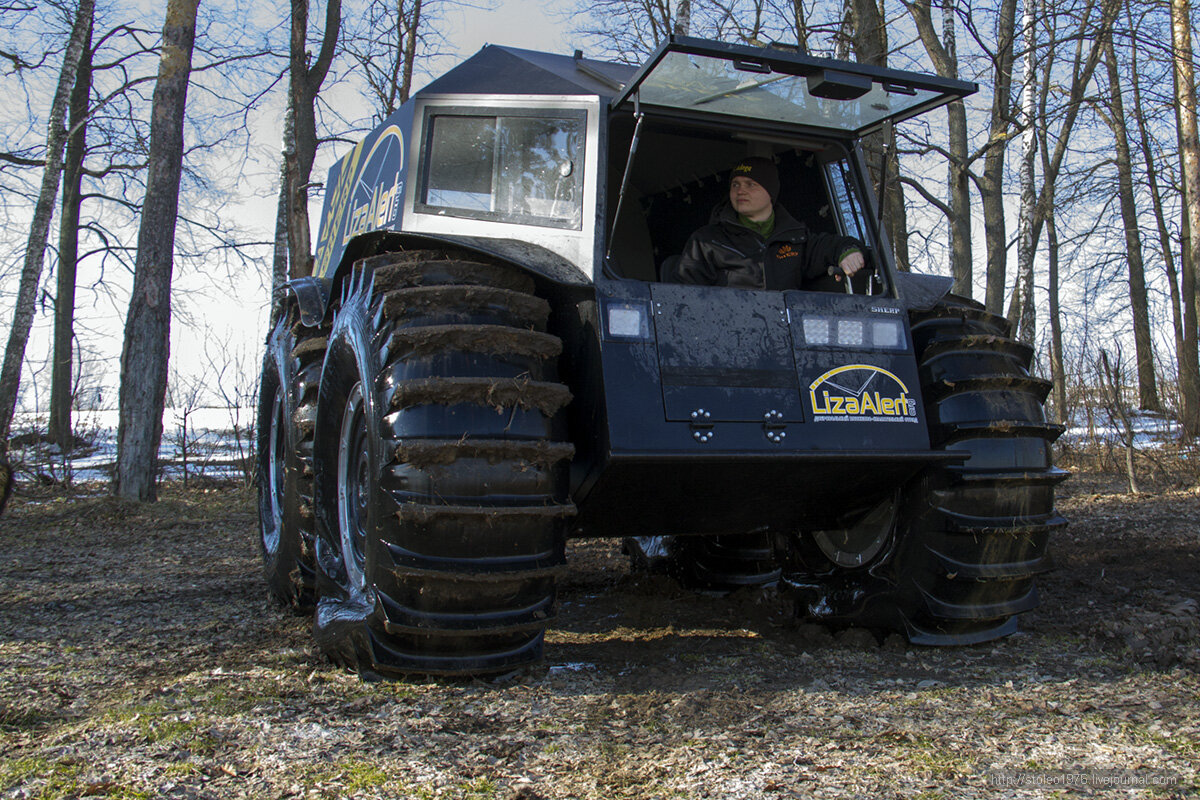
440, 488
952, 559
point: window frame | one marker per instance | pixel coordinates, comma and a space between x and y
496, 112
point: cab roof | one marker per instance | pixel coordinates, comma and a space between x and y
510, 70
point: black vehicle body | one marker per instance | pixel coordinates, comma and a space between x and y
694, 410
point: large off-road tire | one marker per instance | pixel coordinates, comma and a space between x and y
440, 472
284, 468
952, 559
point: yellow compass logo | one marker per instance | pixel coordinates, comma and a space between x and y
861, 392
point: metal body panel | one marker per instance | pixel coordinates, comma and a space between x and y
781, 445
576, 247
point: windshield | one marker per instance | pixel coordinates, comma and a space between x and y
791, 89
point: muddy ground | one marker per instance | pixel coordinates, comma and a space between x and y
141, 657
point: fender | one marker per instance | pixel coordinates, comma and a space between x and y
531, 257
311, 295
921, 292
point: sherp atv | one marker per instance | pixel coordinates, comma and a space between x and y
490, 357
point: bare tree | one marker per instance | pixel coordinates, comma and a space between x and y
1138, 300
1088, 37
944, 55
1189, 136
627, 30
1022, 302
871, 47
991, 184
305, 81
1165, 241
39, 229
146, 350
61, 395
1112, 393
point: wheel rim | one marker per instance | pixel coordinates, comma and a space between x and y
857, 545
354, 483
276, 454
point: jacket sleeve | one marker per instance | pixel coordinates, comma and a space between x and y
694, 267
826, 250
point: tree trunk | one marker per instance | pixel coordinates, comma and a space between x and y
870, 44
683, 18
1138, 301
279, 257
305, 84
992, 182
410, 52
61, 394
945, 61
146, 350
1022, 309
1054, 312
1160, 217
39, 229
1185, 96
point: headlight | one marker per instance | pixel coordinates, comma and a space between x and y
627, 320
886, 334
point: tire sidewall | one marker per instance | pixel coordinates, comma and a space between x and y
348, 360
278, 376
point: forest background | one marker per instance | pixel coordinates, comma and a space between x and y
161, 168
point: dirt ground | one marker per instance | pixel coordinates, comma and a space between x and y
141, 657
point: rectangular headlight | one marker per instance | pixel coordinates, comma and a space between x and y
853, 332
816, 330
627, 320
850, 332
887, 333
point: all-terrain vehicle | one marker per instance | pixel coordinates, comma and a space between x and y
491, 356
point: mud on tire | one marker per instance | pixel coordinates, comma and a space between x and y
286, 395
440, 471
954, 558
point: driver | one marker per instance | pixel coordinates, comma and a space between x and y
753, 244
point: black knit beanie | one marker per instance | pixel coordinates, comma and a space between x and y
760, 170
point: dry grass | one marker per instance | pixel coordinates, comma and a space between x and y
142, 658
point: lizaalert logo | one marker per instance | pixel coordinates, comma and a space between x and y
861, 393
365, 196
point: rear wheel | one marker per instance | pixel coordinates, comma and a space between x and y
441, 477
286, 551
952, 559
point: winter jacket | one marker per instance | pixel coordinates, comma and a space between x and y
727, 253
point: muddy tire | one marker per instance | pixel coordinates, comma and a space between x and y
953, 558
283, 509
440, 473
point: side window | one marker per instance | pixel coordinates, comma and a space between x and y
849, 210
509, 168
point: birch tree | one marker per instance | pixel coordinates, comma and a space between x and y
146, 350
1027, 243
39, 229
1189, 137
